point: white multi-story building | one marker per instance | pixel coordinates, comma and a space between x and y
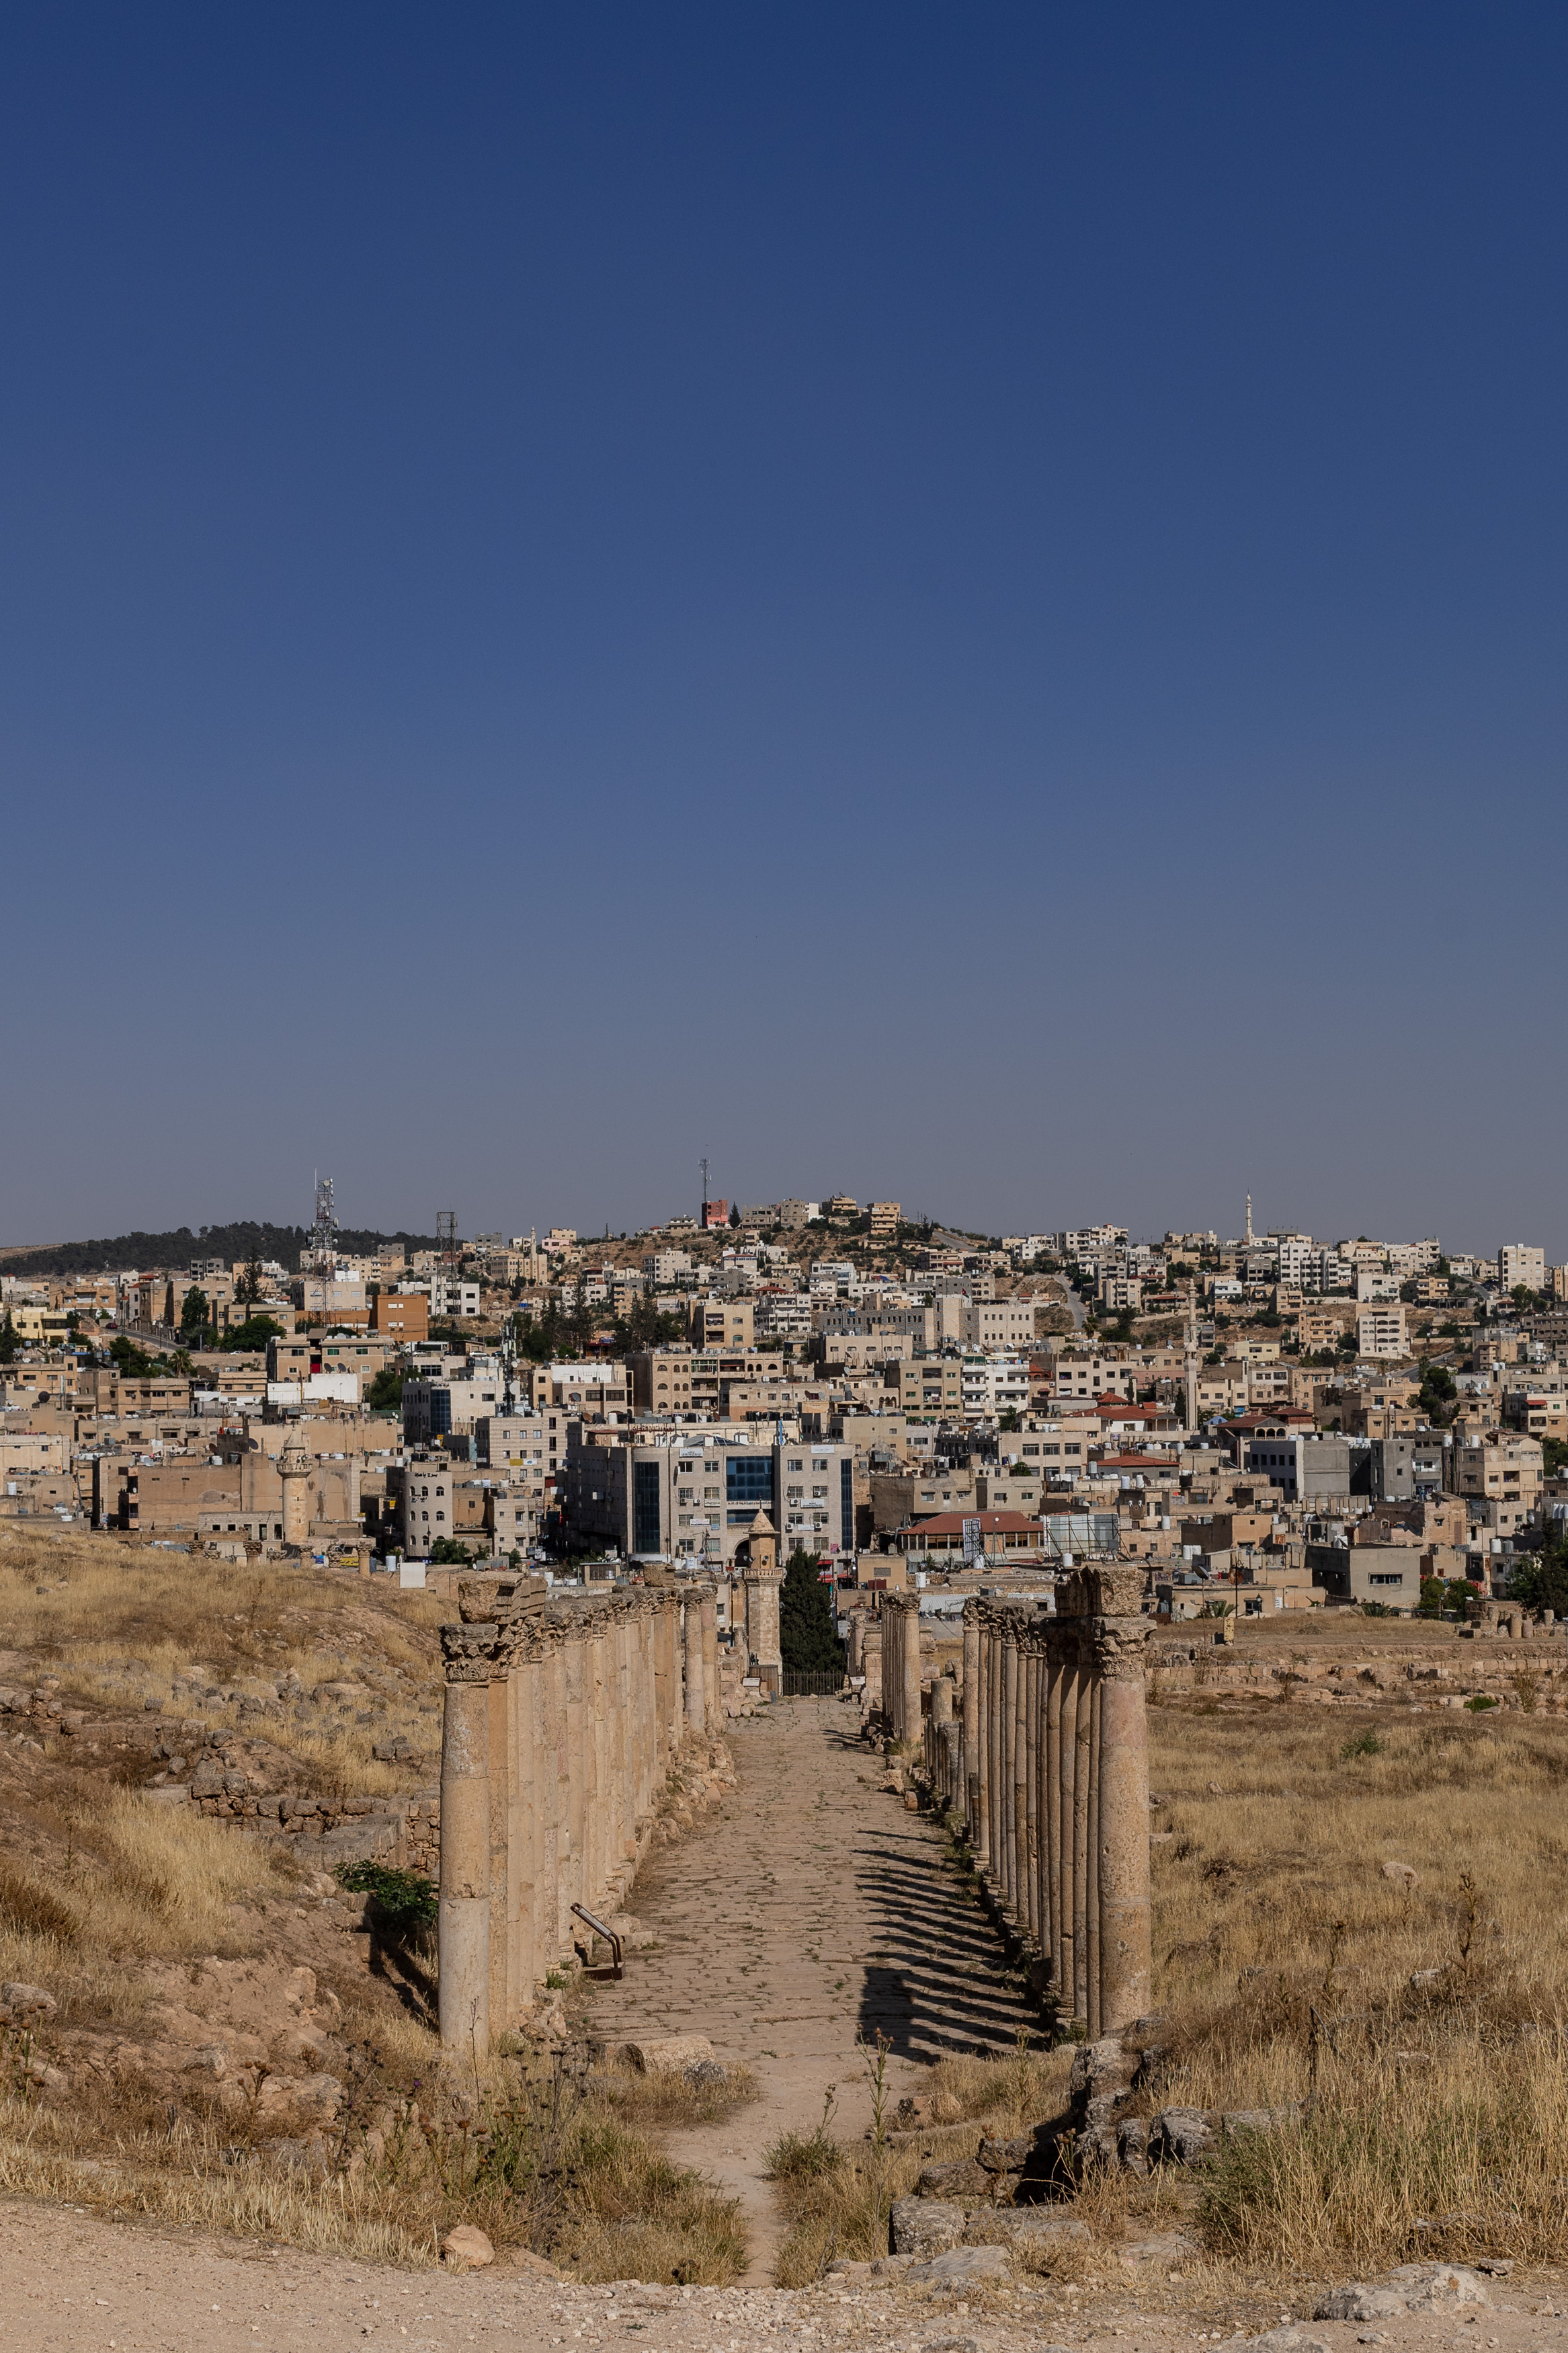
451, 1295
782, 1315
1379, 1332
993, 1386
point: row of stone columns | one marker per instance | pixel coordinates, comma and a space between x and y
1049, 1767
563, 1716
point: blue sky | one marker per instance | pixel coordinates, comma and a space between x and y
958, 604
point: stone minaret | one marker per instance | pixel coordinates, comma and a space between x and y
294, 1470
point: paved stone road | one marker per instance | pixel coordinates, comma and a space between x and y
805, 1915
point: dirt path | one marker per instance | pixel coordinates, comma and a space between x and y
809, 1912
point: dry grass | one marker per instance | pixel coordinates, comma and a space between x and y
120, 1624
666, 2102
836, 2196
141, 1882
1431, 2116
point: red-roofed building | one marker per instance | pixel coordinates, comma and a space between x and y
1005, 1535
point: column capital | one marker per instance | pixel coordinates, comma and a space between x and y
1118, 1646
474, 1653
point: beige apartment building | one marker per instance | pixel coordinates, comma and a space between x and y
1502, 1466
722, 1322
927, 1387
886, 1217
998, 1323
900, 1498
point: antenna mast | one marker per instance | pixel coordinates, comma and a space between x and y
324, 1231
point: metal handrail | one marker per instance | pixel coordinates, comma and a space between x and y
602, 1928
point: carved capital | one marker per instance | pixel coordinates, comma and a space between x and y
1119, 1645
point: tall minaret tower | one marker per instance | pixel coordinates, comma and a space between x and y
1249, 1221
1191, 1360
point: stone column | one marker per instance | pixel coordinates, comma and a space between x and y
1092, 1900
941, 1721
1009, 1877
503, 1889
695, 1706
994, 1741
567, 1772
969, 1795
1066, 1846
1081, 1731
463, 1932
912, 1666
600, 1803
1053, 1803
1126, 1932
712, 1713
1032, 1782
525, 1815
574, 1854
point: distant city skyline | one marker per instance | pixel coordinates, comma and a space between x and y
513, 1222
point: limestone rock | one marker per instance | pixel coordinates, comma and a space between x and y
1288, 2339
670, 2054
1023, 2226
22, 2004
962, 2266
1179, 2136
1413, 2287
467, 2248
1163, 2247
962, 2179
1006, 2156
925, 2226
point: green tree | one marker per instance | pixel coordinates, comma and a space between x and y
384, 1394
1437, 1393
447, 1553
807, 1643
253, 1333
250, 1281
9, 1343
1542, 1583
194, 1312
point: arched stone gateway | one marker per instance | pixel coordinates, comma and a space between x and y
563, 1714
1046, 1759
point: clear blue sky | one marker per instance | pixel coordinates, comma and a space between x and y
960, 604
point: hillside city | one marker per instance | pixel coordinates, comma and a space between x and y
1265, 1422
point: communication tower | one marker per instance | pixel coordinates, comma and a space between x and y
324, 1231
446, 1239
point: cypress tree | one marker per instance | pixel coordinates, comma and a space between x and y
807, 1643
